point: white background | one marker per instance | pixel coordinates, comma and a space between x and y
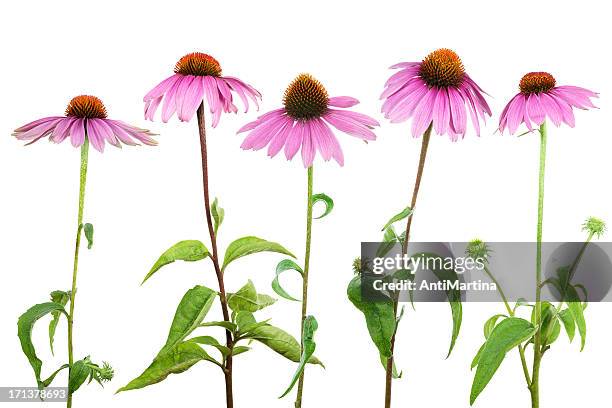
142, 200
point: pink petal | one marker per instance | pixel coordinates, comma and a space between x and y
294, 140
308, 144
342, 101
77, 132
162, 87
94, 135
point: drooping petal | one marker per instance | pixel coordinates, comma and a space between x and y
37, 122
260, 136
515, 113
294, 140
308, 144
39, 130
77, 132
551, 108
94, 135
277, 143
457, 109
181, 91
192, 99
534, 109
441, 112
61, 130
423, 113
162, 87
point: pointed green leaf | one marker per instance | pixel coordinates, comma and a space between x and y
189, 315
189, 250
505, 336
568, 322
61, 298
218, 214
575, 307
477, 356
281, 342
285, 265
247, 299
251, 245
25, 325
329, 203
398, 217
211, 341
380, 317
490, 324
227, 325
48, 381
453, 295
239, 350
176, 361
308, 329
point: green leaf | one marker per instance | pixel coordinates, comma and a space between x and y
61, 298
477, 356
218, 214
49, 380
281, 342
250, 245
226, 325
568, 322
490, 324
390, 238
189, 315
285, 265
25, 325
575, 307
78, 375
176, 361
379, 315
239, 350
189, 250
550, 323
398, 217
453, 295
244, 320
211, 341
89, 231
247, 299
308, 329
329, 203
505, 336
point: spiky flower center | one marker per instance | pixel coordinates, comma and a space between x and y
537, 82
305, 98
442, 68
86, 106
198, 63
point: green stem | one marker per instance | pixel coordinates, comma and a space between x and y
537, 347
75, 267
415, 192
500, 290
298, 399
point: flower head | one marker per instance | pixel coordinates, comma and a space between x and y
478, 249
436, 92
86, 117
304, 122
594, 226
538, 98
197, 76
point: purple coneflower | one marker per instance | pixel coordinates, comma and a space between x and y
304, 122
540, 98
85, 118
434, 91
197, 75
